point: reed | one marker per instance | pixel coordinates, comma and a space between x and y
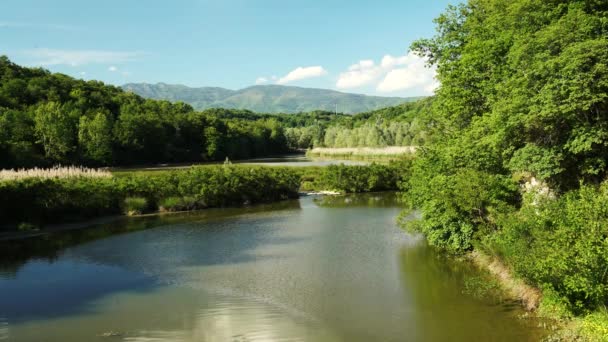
362, 152
57, 172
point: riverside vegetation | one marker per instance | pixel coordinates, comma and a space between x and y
519, 172
34, 199
512, 161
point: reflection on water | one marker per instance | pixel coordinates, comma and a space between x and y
3, 329
315, 269
299, 160
285, 160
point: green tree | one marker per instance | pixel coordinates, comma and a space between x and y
95, 138
56, 131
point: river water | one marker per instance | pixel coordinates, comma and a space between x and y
313, 269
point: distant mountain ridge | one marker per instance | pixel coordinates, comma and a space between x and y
266, 98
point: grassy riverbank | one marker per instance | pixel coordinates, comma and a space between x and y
31, 199
35, 201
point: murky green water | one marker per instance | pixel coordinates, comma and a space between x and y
306, 270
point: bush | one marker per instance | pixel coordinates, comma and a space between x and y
361, 178
177, 203
561, 245
26, 227
46, 200
135, 205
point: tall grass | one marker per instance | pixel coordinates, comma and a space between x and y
388, 152
61, 172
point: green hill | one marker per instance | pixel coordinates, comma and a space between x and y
266, 98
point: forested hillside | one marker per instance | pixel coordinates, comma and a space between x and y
266, 98
48, 119
402, 125
520, 160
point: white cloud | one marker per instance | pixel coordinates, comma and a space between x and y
261, 80
45, 56
301, 73
82, 73
412, 74
407, 72
112, 68
359, 74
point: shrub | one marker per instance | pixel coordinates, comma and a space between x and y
561, 245
54, 199
135, 205
361, 178
25, 227
177, 203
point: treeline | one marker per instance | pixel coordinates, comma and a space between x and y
402, 125
48, 119
519, 158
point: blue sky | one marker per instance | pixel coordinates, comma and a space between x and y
352, 46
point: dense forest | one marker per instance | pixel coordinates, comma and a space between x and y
48, 119
520, 166
392, 126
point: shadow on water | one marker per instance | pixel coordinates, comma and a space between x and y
445, 302
61, 273
14, 254
297, 270
367, 200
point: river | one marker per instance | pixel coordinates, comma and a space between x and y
313, 269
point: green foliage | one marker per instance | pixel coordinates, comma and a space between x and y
55, 130
135, 205
46, 200
524, 89
544, 163
361, 178
48, 119
27, 227
177, 203
95, 138
459, 206
561, 244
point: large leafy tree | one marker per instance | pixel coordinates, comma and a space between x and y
55, 128
524, 89
95, 137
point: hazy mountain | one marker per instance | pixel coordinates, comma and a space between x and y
266, 98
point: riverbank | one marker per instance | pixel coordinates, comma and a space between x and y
251, 265
29, 204
592, 327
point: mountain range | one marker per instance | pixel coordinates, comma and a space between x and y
266, 98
